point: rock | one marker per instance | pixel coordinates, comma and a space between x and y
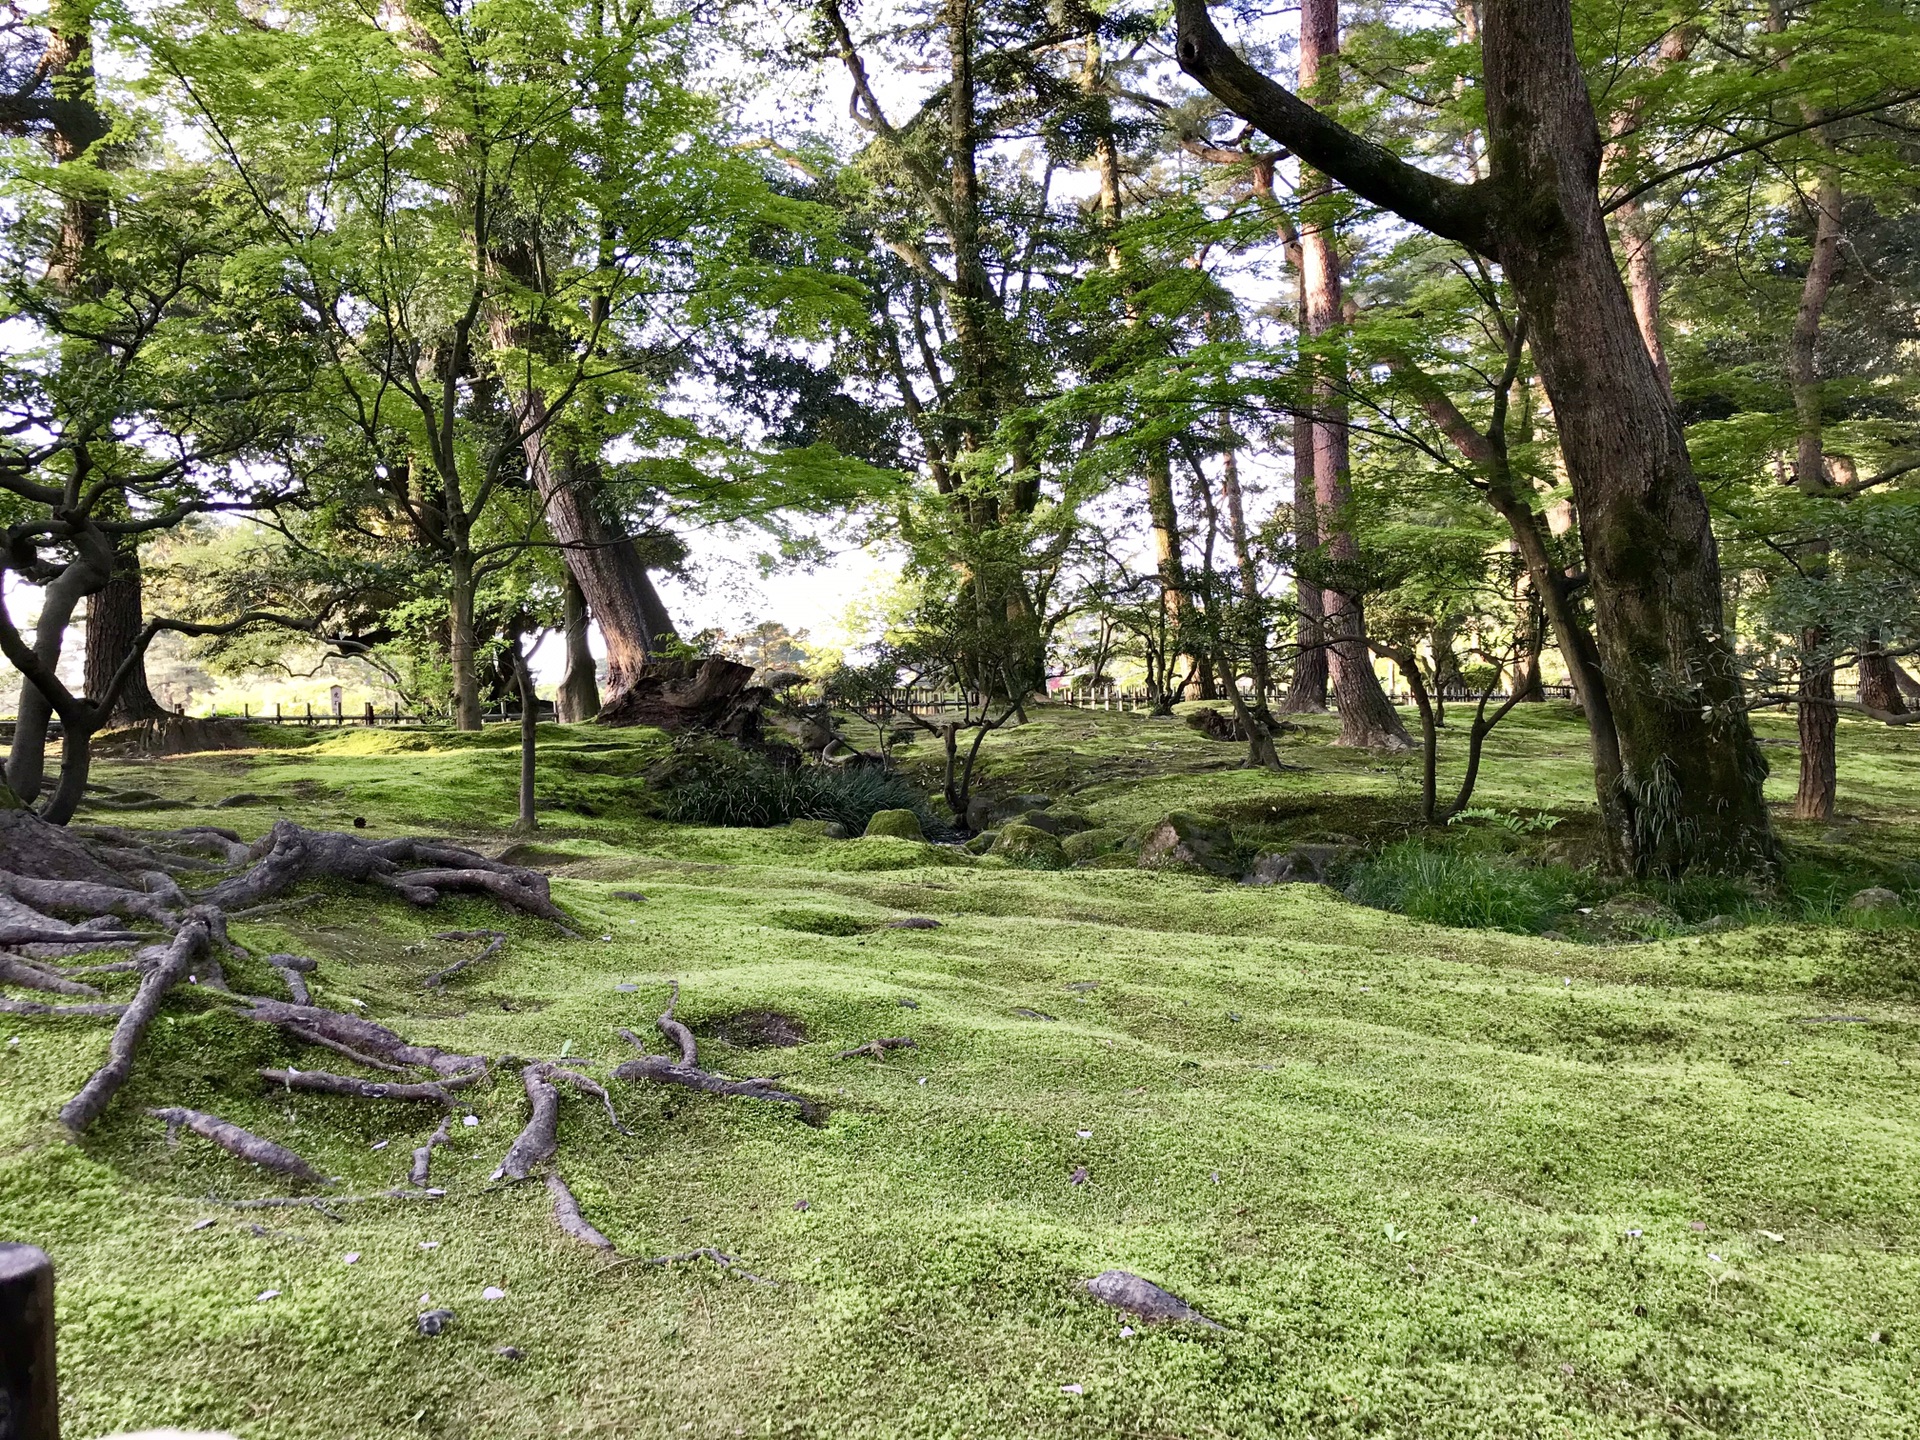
1054, 822
913, 922
1013, 805
1085, 844
245, 797
979, 816
1874, 897
1632, 916
1215, 724
633, 895
1184, 841
432, 1322
1126, 1291
1033, 849
828, 829
1303, 865
895, 825
981, 843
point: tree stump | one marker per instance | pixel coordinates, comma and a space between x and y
29, 1401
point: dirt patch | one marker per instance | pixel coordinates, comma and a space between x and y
757, 1030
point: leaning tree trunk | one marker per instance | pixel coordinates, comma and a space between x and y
1367, 718
1879, 683
579, 695
114, 617
1307, 690
1691, 774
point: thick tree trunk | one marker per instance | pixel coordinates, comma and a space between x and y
460, 646
1691, 769
578, 698
1691, 773
1367, 717
114, 618
1879, 681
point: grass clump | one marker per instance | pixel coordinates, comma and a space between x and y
711, 783
1468, 889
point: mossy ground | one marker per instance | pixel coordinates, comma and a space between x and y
1433, 1182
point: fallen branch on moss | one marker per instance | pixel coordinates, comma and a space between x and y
566, 1214
878, 1048
719, 1257
686, 1072
496, 942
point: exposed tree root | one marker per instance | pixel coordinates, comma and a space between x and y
360, 1040
420, 1174
536, 1144
235, 1141
58, 1012
566, 1214
496, 941
293, 971
686, 1071
167, 967
326, 1083
878, 1048
15, 971
719, 1257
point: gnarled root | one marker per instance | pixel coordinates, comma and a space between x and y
359, 1039
166, 967
326, 1083
566, 1214
59, 1012
235, 1141
535, 1145
659, 1070
15, 971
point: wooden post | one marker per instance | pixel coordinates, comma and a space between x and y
309, 712
29, 1400
369, 713
276, 712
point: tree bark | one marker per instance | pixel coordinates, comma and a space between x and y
1691, 773
1879, 684
114, 617
1164, 517
1818, 720
461, 644
1253, 622
1367, 717
529, 820
1307, 689
578, 698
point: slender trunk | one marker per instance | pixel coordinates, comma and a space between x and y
1635, 226
27, 761
1307, 690
1252, 622
1163, 515
460, 645
114, 619
529, 735
1367, 717
76, 759
579, 696
1818, 719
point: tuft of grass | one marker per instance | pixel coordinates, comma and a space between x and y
1468, 889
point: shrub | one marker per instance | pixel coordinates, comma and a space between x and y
713, 783
1471, 890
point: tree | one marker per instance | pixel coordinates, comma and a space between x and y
1689, 787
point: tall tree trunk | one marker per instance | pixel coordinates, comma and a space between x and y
1367, 717
579, 695
1691, 773
1819, 765
1252, 622
1307, 690
461, 645
114, 618
529, 820
1164, 517
1635, 226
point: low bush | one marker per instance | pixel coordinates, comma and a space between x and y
713, 783
1471, 889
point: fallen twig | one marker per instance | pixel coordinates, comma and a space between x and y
168, 967
495, 944
423, 1155
566, 1214
719, 1257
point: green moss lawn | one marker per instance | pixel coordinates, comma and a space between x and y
1431, 1182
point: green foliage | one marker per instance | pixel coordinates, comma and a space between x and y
1465, 888
713, 783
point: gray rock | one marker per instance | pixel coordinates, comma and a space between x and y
1126, 1291
1184, 841
1086, 844
913, 922
981, 843
1303, 865
245, 797
432, 1322
1874, 897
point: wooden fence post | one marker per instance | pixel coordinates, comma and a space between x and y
29, 1400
